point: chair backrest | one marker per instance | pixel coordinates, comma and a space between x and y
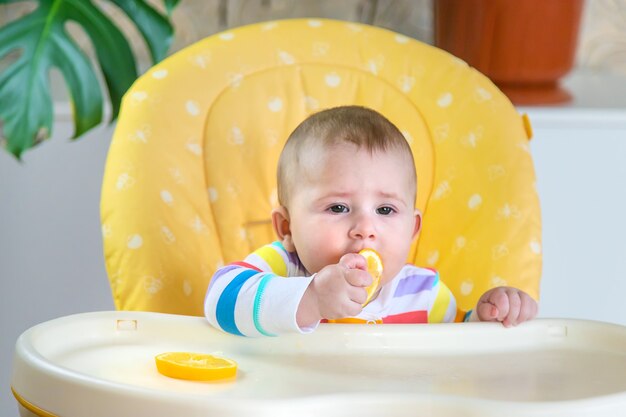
190, 177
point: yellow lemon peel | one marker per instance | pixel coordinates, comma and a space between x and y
375, 269
195, 366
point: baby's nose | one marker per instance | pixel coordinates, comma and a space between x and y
363, 229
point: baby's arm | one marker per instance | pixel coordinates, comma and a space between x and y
336, 291
253, 297
507, 305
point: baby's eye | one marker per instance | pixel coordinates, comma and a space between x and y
338, 208
385, 211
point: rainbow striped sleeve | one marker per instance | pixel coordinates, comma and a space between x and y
443, 305
253, 297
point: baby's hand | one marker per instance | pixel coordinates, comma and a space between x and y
340, 288
507, 305
336, 291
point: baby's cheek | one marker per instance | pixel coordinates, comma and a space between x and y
394, 262
316, 260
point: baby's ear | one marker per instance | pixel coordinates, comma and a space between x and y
280, 223
418, 223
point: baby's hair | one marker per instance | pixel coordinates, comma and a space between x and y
361, 126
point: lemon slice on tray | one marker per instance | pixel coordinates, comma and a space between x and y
195, 366
375, 269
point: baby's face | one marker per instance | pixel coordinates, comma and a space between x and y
345, 199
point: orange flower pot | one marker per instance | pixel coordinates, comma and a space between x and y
523, 46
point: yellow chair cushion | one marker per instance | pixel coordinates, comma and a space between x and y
190, 179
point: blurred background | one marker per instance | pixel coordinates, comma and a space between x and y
51, 261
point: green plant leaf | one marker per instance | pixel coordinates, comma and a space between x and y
170, 5
43, 43
155, 29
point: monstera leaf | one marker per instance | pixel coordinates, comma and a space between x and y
42, 42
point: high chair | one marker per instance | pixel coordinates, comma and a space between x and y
190, 178
189, 186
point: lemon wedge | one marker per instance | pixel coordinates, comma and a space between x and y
375, 269
195, 366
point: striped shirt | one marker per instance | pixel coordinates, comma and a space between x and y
260, 296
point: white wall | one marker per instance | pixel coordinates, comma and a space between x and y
51, 252
580, 160
51, 261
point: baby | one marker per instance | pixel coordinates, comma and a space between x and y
346, 182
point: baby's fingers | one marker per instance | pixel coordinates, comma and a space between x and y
494, 305
357, 295
499, 299
487, 312
520, 307
515, 304
358, 278
528, 309
353, 261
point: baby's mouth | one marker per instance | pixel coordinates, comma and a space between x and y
360, 248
